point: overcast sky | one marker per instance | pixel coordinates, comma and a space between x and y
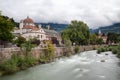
94, 12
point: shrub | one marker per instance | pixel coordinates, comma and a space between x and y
98, 51
77, 49
110, 48
10, 65
114, 51
101, 49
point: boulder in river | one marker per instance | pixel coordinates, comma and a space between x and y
102, 60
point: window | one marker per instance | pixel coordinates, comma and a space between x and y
41, 36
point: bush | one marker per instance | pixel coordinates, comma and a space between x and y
98, 51
77, 49
101, 49
15, 63
110, 48
114, 51
10, 65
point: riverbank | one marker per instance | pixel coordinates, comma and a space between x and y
16, 60
84, 66
115, 49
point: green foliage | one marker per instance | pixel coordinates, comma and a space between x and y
77, 49
19, 41
102, 49
15, 63
50, 50
93, 38
6, 26
67, 42
77, 32
10, 65
48, 53
118, 51
115, 50
27, 47
99, 41
118, 39
112, 37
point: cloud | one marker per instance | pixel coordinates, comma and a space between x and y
94, 12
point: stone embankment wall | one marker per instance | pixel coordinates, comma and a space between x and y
6, 53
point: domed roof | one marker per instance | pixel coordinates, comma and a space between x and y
28, 20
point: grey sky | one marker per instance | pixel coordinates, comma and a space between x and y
94, 12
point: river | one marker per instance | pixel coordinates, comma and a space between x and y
84, 66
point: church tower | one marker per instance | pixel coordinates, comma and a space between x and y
100, 34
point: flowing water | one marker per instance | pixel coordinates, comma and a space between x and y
84, 66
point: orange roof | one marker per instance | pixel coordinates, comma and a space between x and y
28, 20
34, 28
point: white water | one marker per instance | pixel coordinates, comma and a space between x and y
84, 66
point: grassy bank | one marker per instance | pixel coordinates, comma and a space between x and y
26, 60
21, 62
113, 49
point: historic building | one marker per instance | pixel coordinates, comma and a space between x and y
53, 36
28, 29
102, 36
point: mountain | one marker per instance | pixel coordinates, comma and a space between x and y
57, 27
105, 29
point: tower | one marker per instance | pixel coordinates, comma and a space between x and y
21, 26
100, 34
40, 26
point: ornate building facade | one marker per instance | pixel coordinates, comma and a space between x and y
28, 29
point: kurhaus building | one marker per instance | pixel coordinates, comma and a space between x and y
28, 29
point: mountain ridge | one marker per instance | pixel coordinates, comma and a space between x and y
56, 26
106, 29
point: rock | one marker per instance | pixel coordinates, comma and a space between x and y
102, 60
106, 54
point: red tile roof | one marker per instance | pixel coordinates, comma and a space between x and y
28, 20
34, 28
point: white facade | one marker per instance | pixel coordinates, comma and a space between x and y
27, 29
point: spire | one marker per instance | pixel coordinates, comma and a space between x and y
27, 16
99, 32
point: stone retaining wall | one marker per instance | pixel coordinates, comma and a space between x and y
6, 53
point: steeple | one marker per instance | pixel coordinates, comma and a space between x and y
99, 32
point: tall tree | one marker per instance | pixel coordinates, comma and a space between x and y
77, 32
6, 27
93, 38
112, 38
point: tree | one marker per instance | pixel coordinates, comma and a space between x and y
93, 38
50, 50
19, 41
6, 27
36, 42
67, 42
77, 32
27, 47
112, 38
99, 41
118, 39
